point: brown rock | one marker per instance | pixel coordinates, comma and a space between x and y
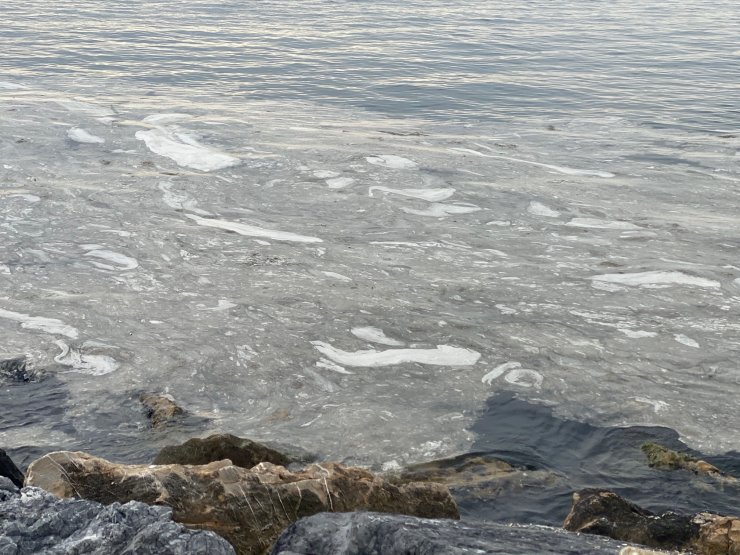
241, 452
607, 514
160, 409
667, 459
248, 507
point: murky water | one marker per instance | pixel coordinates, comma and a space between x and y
345, 225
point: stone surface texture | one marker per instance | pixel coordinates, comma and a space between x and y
251, 507
160, 409
9, 470
33, 521
605, 513
384, 534
241, 452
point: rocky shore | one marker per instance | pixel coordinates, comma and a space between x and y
223, 494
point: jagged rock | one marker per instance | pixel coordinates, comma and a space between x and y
17, 369
667, 459
607, 514
9, 470
384, 534
160, 409
34, 521
248, 507
241, 452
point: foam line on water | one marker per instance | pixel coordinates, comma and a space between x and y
40, 323
443, 355
375, 335
431, 195
637, 279
253, 231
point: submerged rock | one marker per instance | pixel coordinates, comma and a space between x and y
241, 452
250, 508
605, 513
376, 534
34, 521
9, 470
667, 459
160, 408
17, 369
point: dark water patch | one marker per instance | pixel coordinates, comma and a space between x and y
528, 436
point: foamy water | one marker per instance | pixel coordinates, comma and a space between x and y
346, 225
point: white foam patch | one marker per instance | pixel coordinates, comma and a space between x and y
594, 223
685, 340
440, 210
185, 150
538, 209
179, 200
223, 304
560, 169
524, 377
253, 231
122, 261
335, 275
339, 182
375, 335
11, 86
81, 136
48, 325
430, 195
498, 371
392, 161
637, 334
329, 365
161, 119
326, 174
26, 197
443, 355
95, 365
4, 269
641, 279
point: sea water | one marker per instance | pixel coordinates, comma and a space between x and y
345, 225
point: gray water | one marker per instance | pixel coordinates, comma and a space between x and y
202, 199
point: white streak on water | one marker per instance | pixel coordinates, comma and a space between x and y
375, 335
431, 195
253, 231
335, 275
81, 136
339, 182
538, 209
440, 210
524, 377
48, 325
655, 278
392, 161
498, 371
685, 340
124, 262
26, 197
637, 334
179, 200
443, 355
594, 223
560, 169
185, 150
329, 365
95, 365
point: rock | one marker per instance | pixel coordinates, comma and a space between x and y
9, 470
248, 507
17, 369
160, 409
667, 459
241, 452
34, 521
375, 534
607, 514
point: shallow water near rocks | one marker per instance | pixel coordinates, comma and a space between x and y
209, 201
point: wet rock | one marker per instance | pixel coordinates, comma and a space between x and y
241, 452
9, 470
605, 513
18, 369
251, 507
160, 408
34, 521
374, 534
667, 459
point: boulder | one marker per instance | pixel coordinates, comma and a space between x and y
375, 534
607, 514
662, 458
160, 409
9, 470
241, 452
17, 369
249, 507
34, 521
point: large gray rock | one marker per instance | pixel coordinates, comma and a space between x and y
383, 534
34, 521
